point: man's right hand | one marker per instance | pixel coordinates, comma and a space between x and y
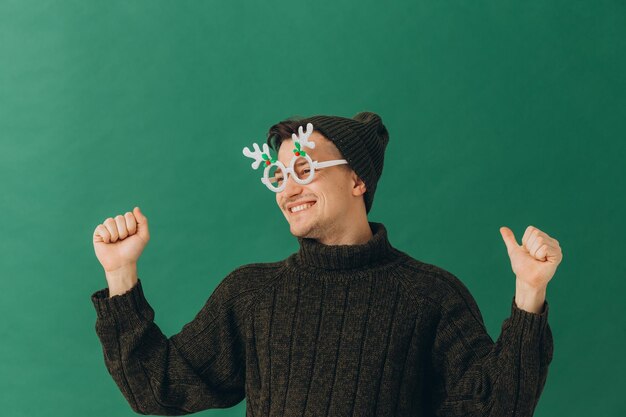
118, 243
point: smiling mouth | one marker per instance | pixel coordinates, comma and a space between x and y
301, 207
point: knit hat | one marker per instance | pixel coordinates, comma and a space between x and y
361, 140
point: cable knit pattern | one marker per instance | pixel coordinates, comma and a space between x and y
332, 330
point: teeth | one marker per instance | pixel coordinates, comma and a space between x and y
300, 208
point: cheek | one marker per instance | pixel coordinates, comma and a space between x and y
333, 191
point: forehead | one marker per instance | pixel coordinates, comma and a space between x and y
324, 148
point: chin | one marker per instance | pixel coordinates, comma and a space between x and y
300, 228
303, 225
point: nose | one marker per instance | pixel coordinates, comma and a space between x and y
291, 187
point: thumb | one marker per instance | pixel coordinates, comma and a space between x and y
142, 224
509, 239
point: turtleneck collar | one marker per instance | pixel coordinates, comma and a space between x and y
318, 255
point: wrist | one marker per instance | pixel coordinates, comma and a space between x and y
122, 279
528, 298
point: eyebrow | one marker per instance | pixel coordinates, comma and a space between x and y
303, 161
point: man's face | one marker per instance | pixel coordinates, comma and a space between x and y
335, 192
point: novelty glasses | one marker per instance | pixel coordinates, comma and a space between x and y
301, 168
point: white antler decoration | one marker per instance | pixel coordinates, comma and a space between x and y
258, 155
302, 138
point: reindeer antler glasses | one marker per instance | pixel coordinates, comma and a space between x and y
302, 168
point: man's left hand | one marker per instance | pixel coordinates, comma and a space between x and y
535, 261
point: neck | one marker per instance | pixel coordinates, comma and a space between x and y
355, 234
374, 251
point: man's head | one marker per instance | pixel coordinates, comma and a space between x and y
341, 194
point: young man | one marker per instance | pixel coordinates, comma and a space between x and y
347, 326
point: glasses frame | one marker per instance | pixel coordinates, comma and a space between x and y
301, 142
289, 171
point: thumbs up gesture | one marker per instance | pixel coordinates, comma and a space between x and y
118, 242
534, 262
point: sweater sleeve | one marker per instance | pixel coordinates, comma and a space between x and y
200, 367
473, 376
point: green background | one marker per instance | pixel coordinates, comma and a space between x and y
499, 113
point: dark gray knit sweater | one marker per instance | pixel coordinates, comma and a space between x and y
333, 330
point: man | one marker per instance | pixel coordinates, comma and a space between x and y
347, 326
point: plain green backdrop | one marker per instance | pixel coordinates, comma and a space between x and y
499, 113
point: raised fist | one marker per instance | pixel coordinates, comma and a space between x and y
119, 241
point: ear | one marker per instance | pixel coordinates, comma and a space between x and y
359, 187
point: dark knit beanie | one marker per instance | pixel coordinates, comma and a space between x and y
361, 140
